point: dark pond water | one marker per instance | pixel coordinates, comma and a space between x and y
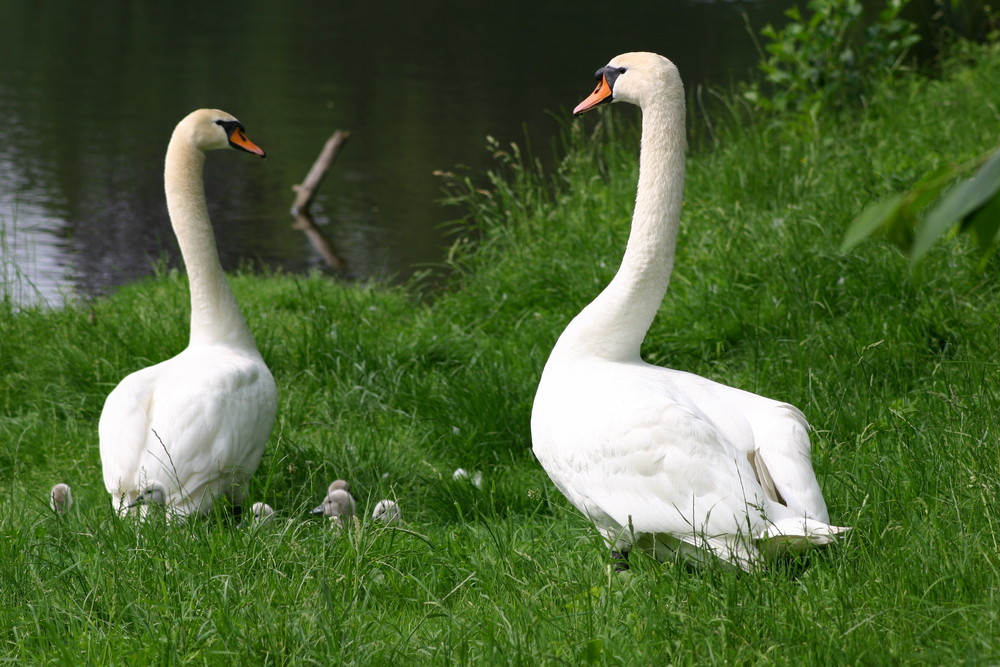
90, 91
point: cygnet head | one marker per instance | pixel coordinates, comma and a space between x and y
388, 512
339, 484
260, 512
153, 494
209, 129
338, 506
61, 498
639, 78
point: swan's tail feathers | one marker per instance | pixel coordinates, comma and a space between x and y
797, 535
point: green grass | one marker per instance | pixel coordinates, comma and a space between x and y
897, 371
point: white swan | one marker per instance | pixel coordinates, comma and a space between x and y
61, 498
195, 424
664, 460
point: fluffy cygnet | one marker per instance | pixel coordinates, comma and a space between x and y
260, 512
153, 494
338, 506
61, 498
388, 512
475, 478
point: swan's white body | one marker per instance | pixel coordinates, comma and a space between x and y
195, 424
660, 459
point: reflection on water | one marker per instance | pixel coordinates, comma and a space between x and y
89, 93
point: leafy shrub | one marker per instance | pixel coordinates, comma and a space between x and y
914, 220
831, 59
973, 20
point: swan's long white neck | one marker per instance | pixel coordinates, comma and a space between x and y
614, 324
215, 315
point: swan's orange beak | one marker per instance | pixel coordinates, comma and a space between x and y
238, 139
601, 94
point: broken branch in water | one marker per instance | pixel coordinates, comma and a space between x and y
304, 193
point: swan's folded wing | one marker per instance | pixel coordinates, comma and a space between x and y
784, 448
123, 430
777, 440
670, 470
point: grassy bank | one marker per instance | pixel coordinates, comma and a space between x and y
897, 371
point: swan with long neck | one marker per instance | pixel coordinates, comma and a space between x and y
193, 426
659, 459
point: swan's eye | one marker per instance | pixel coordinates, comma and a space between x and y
230, 126
621, 70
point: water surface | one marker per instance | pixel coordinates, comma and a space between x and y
90, 91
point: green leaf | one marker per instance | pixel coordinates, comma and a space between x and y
985, 223
880, 214
961, 200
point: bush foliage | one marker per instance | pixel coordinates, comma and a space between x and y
831, 57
